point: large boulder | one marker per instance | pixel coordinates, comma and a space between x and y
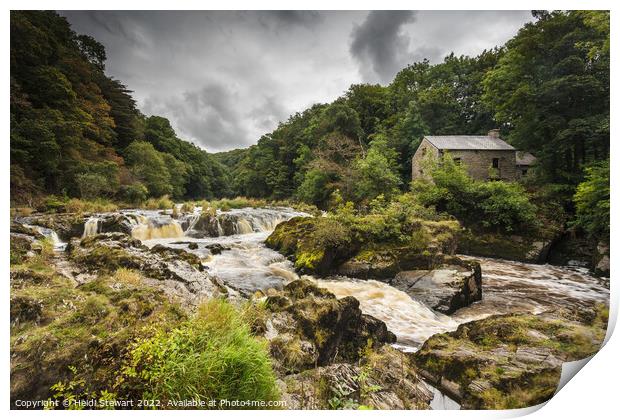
382, 379
308, 326
316, 245
508, 361
444, 282
445, 289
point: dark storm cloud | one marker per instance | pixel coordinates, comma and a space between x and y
297, 17
380, 45
224, 78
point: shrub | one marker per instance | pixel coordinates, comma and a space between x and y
134, 193
592, 201
161, 203
211, 356
187, 207
494, 205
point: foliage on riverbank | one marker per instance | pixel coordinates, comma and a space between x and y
103, 339
319, 244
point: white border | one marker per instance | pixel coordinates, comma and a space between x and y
593, 394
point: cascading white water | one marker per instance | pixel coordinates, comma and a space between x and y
411, 321
51, 235
156, 227
247, 265
91, 227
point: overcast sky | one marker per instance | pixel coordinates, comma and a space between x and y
226, 78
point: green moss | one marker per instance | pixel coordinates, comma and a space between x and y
485, 351
107, 259
89, 326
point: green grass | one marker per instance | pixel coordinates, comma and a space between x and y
211, 356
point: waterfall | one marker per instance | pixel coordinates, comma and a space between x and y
243, 226
151, 228
91, 227
51, 235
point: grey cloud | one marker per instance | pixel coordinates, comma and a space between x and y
207, 116
269, 113
379, 44
224, 78
297, 17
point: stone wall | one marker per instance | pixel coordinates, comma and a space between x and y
425, 150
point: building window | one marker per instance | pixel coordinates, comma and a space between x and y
457, 161
496, 163
423, 151
524, 171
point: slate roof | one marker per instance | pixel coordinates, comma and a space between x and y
525, 159
468, 143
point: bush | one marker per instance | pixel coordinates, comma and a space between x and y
499, 206
161, 203
211, 356
592, 201
134, 193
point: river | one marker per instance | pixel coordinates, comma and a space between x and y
245, 264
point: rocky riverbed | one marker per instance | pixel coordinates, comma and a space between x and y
365, 329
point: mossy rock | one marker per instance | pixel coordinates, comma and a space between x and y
66, 225
64, 334
509, 247
314, 328
507, 361
383, 378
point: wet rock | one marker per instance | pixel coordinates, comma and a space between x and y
312, 328
385, 379
508, 361
20, 228
180, 273
116, 222
193, 245
66, 225
217, 249
206, 226
445, 289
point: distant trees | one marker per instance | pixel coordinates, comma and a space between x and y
71, 125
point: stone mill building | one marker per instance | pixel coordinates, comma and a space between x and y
485, 157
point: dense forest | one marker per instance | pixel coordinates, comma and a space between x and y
77, 132
547, 89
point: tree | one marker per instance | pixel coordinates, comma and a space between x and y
376, 173
551, 89
149, 167
592, 201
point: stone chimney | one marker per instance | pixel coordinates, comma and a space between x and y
494, 133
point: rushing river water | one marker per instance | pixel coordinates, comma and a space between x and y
246, 264
243, 262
